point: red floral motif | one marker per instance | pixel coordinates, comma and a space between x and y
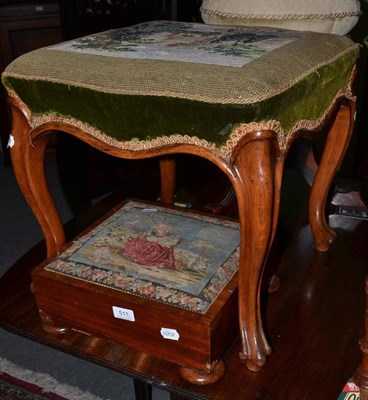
145, 252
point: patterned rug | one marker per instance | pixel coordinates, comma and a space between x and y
17, 383
27, 385
15, 389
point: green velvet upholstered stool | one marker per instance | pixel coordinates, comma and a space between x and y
236, 96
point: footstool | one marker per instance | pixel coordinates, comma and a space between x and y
160, 280
236, 96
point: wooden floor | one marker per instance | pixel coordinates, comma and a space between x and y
313, 322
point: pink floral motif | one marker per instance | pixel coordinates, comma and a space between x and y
145, 252
163, 292
121, 281
149, 290
86, 273
60, 266
100, 274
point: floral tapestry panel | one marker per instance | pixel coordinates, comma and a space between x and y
166, 255
184, 42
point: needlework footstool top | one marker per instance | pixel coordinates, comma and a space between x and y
162, 82
170, 256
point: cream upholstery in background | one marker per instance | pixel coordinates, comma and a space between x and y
328, 16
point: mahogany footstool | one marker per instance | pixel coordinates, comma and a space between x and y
236, 96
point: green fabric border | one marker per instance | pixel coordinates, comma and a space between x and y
126, 117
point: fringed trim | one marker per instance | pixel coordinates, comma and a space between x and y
311, 125
283, 137
224, 151
281, 17
134, 145
244, 129
25, 110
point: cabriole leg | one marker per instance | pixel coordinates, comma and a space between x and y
28, 155
336, 144
257, 187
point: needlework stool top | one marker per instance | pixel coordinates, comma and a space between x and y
162, 82
170, 256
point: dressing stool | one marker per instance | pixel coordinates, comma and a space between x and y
236, 96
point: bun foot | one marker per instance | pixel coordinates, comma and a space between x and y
48, 324
197, 377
